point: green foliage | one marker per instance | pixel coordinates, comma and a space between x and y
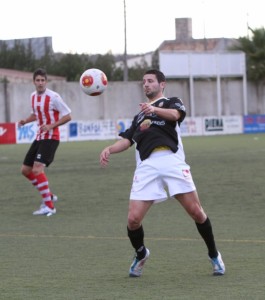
155, 60
71, 66
107, 63
136, 72
68, 65
118, 74
18, 57
254, 48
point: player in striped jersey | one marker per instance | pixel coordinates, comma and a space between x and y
50, 112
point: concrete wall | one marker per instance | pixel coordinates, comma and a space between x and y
121, 100
2, 103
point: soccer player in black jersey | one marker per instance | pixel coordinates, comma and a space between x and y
160, 166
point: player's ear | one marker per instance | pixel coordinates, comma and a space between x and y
163, 85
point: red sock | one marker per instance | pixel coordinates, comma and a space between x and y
43, 188
49, 204
32, 178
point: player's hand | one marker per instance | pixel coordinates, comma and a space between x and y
147, 108
104, 157
45, 127
21, 123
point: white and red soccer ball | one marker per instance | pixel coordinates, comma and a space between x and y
93, 82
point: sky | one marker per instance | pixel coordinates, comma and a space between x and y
98, 26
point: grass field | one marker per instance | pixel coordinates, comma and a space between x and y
83, 251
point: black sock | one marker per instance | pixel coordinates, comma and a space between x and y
137, 240
206, 232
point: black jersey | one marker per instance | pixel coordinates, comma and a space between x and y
151, 131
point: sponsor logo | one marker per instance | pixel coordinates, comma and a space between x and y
73, 129
26, 132
159, 123
145, 124
186, 173
214, 124
2, 131
121, 126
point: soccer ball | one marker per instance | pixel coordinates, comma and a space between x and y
93, 82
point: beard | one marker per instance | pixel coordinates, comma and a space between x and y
151, 94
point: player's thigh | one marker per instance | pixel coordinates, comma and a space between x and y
191, 203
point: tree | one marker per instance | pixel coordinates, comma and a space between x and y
136, 72
17, 58
70, 66
254, 48
106, 63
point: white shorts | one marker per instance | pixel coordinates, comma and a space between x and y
161, 175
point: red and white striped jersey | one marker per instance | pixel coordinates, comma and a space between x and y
48, 107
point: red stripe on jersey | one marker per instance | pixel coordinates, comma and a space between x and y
47, 114
56, 131
44, 108
39, 115
32, 103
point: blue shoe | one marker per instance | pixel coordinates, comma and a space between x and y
136, 268
218, 265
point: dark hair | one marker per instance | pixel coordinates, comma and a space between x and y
159, 75
41, 72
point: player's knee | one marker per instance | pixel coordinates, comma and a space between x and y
36, 172
25, 171
37, 169
198, 215
134, 222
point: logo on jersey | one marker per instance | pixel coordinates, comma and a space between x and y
145, 124
186, 173
180, 106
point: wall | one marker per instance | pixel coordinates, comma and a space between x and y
2, 104
121, 100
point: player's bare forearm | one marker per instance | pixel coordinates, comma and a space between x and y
117, 147
29, 119
169, 114
63, 120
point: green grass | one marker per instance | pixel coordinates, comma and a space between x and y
83, 251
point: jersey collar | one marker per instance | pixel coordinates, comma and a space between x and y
154, 101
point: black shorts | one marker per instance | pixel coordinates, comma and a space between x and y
41, 151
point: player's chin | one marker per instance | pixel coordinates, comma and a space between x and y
149, 94
40, 90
